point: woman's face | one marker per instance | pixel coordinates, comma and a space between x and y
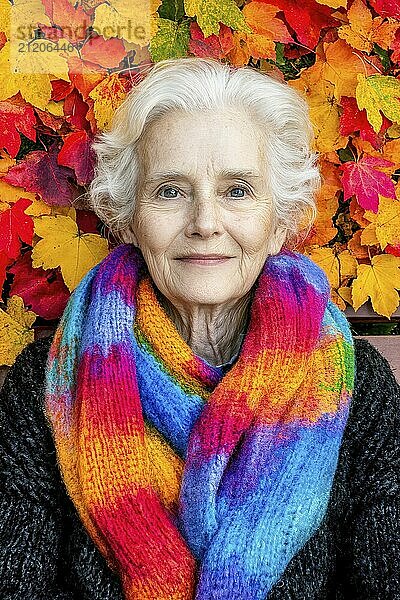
204, 217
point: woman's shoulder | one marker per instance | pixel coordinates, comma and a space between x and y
28, 466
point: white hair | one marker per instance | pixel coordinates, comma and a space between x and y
191, 84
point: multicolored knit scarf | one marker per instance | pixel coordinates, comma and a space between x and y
192, 483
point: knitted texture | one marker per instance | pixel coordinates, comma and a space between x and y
170, 464
47, 554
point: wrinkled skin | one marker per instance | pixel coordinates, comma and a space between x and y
208, 212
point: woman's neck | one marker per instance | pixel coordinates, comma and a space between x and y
212, 332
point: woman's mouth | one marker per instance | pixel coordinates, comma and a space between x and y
205, 259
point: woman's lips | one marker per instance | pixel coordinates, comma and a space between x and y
205, 259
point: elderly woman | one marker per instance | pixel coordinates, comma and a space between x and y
205, 426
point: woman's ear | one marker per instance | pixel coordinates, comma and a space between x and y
278, 239
128, 237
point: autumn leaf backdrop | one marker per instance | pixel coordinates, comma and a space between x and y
65, 67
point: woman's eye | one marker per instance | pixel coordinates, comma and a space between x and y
243, 191
169, 189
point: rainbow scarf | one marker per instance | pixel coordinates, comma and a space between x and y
195, 484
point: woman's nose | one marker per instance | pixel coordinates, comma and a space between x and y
205, 218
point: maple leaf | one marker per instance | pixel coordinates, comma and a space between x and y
5, 261
72, 22
386, 8
209, 14
395, 250
40, 172
130, 20
327, 260
77, 153
353, 119
10, 194
363, 180
107, 96
386, 221
170, 41
363, 31
356, 248
107, 53
324, 112
84, 76
29, 73
42, 291
15, 225
378, 281
5, 17
306, 18
215, 46
266, 29
64, 246
333, 3
347, 266
75, 110
16, 118
379, 93
15, 330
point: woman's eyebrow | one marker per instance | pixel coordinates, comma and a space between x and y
223, 174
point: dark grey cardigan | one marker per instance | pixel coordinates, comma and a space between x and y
46, 553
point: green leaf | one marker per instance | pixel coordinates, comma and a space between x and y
170, 41
172, 10
209, 14
379, 93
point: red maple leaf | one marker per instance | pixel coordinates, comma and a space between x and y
15, 226
386, 8
16, 117
353, 119
77, 153
72, 22
4, 262
363, 180
107, 53
306, 18
75, 110
60, 89
87, 221
393, 249
214, 46
40, 172
42, 291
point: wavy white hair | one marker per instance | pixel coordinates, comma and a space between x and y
192, 84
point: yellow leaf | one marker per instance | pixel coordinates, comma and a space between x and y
25, 16
324, 113
359, 32
5, 17
348, 266
107, 96
29, 73
388, 221
378, 281
10, 193
379, 93
6, 162
334, 3
327, 260
345, 293
37, 208
131, 20
64, 246
368, 235
15, 330
209, 14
